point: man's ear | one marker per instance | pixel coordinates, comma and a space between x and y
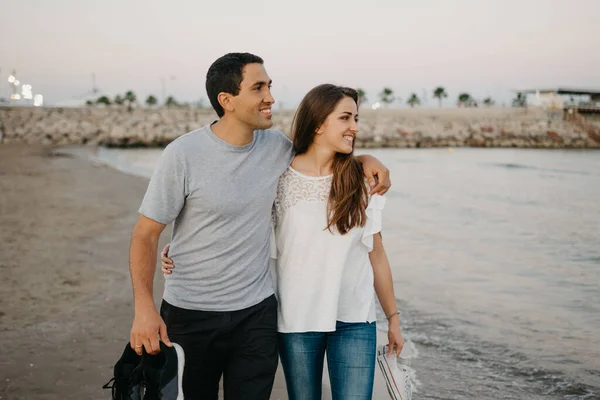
224, 100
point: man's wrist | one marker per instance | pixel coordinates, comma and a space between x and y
144, 305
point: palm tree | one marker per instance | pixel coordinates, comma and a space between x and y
520, 100
103, 100
130, 99
151, 101
489, 102
362, 96
119, 100
171, 102
440, 93
413, 100
465, 99
387, 96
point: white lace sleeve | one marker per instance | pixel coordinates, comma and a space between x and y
374, 219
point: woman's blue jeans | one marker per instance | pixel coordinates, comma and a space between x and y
351, 352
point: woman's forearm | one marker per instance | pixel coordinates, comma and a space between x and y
384, 285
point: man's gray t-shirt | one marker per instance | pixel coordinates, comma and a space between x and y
219, 197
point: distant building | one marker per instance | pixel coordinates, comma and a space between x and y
567, 101
562, 97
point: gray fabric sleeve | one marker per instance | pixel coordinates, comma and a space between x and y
288, 148
166, 191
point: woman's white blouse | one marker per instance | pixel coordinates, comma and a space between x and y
322, 277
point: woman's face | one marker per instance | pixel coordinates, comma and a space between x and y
340, 128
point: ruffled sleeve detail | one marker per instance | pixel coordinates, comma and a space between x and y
272, 242
374, 213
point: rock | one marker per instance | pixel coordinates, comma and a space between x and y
113, 126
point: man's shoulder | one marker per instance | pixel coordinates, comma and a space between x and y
190, 137
187, 141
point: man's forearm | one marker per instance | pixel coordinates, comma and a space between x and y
376, 174
362, 158
142, 264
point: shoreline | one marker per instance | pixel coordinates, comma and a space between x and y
67, 298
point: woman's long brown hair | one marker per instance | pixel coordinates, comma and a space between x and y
348, 197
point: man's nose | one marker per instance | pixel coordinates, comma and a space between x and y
269, 98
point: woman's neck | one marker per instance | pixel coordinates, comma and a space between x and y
317, 161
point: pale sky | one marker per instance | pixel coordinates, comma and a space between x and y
483, 47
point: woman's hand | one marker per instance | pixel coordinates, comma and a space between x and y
166, 262
395, 338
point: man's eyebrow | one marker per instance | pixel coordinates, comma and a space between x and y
262, 83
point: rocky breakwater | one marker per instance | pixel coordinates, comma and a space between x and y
99, 126
501, 127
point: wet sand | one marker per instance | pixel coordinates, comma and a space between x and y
66, 298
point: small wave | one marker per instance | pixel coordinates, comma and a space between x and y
511, 165
532, 168
569, 390
593, 260
498, 367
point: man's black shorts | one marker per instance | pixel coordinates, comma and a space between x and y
240, 345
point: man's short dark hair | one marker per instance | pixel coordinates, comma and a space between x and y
225, 75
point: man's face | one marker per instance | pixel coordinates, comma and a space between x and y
253, 103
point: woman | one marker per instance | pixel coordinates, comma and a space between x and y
330, 255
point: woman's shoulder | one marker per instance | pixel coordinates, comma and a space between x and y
294, 188
285, 179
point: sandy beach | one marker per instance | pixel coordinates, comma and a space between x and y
66, 300
66, 306
66, 294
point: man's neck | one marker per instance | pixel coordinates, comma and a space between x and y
233, 131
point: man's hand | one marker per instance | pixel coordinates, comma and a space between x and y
167, 263
148, 328
376, 173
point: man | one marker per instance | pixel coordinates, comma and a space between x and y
217, 184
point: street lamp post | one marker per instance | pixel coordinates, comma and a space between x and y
14, 85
